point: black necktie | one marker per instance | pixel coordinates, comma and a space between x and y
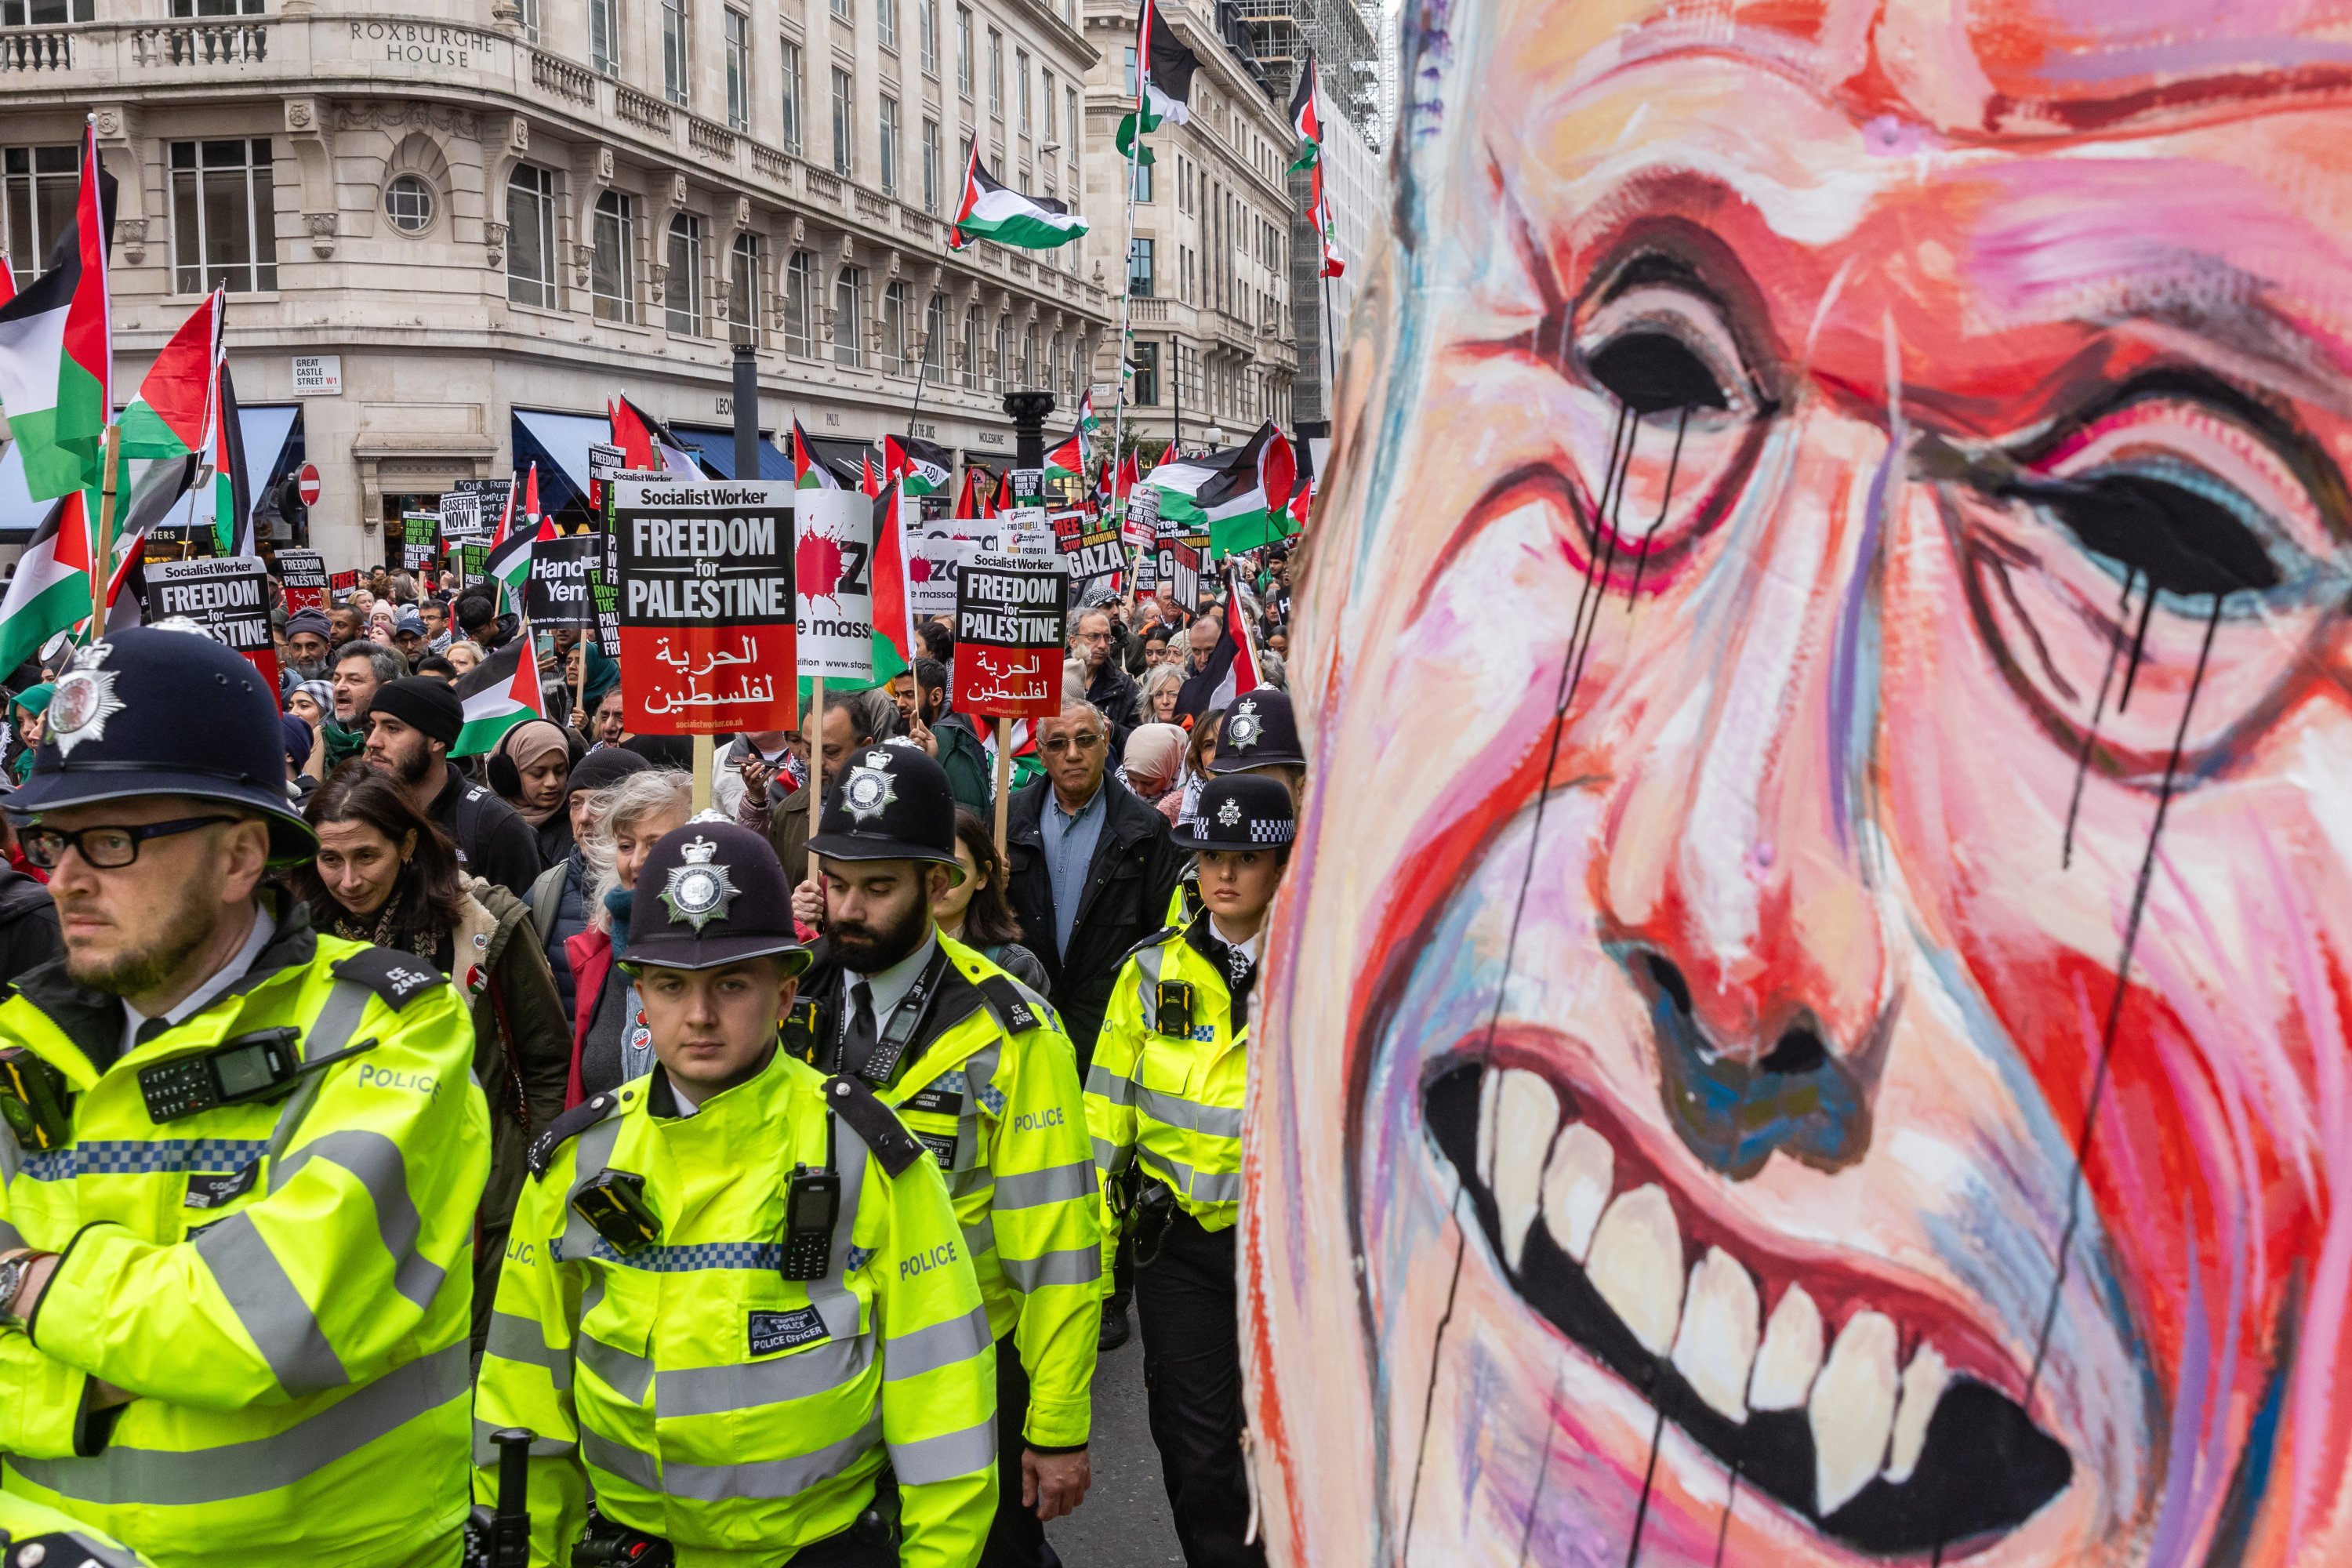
857, 1042
1240, 976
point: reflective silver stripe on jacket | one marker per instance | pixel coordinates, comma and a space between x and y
1112, 1157
941, 1344
1077, 1266
382, 1170
761, 1478
831, 1298
1113, 1087
1208, 1187
590, 1153
330, 1032
747, 1385
1146, 982
945, 1457
978, 1240
270, 1308
165, 1478
487, 1452
1175, 1110
625, 1372
979, 1079
519, 1340
1054, 1184
11, 1238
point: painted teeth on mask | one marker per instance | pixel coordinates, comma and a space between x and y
1817, 1416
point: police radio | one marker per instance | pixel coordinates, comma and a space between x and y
33, 1099
614, 1207
812, 1207
263, 1065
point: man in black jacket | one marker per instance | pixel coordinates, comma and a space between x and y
28, 924
1108, 686
412, 724
1093, 869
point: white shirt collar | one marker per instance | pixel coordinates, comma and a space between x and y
227, 976
890, 985
1248, 950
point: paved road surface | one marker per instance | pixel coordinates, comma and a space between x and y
1124, 1522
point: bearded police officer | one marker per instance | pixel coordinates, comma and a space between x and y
979, 1067
1164, 1099
241, 1158
735, 1291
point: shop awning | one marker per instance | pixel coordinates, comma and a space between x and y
716, 451
273, 445
559, 443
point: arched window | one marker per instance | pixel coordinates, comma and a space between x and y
848, 312
799, 275
682, 297
893, 329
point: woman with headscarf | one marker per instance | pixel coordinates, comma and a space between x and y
313, 702
1154, 761
604, 676
1181, 803
528, 768
30, 710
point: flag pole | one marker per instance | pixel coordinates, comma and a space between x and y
1004, 780
1330, 345
1126, 285
102, 555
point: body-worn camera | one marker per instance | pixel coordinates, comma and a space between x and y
34, 1098
614, 1207
1173, 1007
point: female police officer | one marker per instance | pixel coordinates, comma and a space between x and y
735, 1290
1165, 1103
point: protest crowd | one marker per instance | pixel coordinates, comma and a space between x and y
716, 1071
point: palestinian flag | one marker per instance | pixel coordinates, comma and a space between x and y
1240, 498
1163, 86
1327, 233
1073, 458
991, 211
647, 443
509, 563
894, 615
920, 468
1232, 670
500, 693
8, 279
172, 414
868, 484
57, 354
50, 592
969, 499
1302, 499
809, 472
1306, 117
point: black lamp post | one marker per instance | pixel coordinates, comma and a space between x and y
1027, 410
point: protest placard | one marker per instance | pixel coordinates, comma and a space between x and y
1010, 611
420, 539
562, 570
343, 581
1179, 568
223, 594
473, 564
1090, 549
608, 611
461, 514
931, 571
833, 569
706, 632
304, 573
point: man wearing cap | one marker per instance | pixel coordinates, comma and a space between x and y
306, 644
412, 724
1164, 1100
978, 1066
736, 1289
408, 636
242, 1158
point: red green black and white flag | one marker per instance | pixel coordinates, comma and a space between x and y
809, 472
998, 212
500, 693
922, 468
56, 359
1306, 117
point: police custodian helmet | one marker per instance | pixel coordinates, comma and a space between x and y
1241, 811
711, 893
156, 711
891, 803
1260, 731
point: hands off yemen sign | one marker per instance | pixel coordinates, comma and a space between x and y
1009, 635
707, 645
562, 574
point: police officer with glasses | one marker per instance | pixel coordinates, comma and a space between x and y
977, 1065
736, 1301
240, 1158
1164, 1102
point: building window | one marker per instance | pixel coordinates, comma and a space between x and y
997, 367
887, 124
530, 9
408, 203
1144, 390
930, 165
224, 217
42, 184
927, 34
1029, 354
604, 36
963, 51
791, 74
935, 337
674, 63
1049, 105
52, 14
1126, 65
971, 348
739, 70
1138, 269
885, 24
841, 9
1070, 118
682, 298
179, 8
799, 276
530, 236
1021, 75
893, 329
848, 311
1054, 364
1142, 182
743, 288
844, 130
612, 261
996, 73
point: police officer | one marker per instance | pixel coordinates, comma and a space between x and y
241, 1158
1165, 1104
735, 1291
32, 1536
977, 1065
1260, 734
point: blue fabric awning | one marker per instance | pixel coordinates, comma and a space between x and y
559, 443
716, 449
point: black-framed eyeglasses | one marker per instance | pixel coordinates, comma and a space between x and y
109, 848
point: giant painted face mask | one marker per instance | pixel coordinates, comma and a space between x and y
1827, 1042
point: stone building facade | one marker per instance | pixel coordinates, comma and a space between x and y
484, 217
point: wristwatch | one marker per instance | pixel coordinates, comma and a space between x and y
12, 1269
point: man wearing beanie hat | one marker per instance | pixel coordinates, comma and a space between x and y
1167, 1144
412, 723
777, 1256
309, 640
244, 1157
979, 1067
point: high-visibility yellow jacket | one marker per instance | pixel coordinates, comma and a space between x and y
1169, 1103
991, 1087
712, 1403
285, 1286
66, 1543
